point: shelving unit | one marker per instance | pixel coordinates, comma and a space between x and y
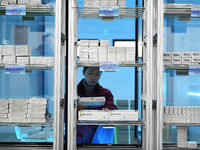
34, 10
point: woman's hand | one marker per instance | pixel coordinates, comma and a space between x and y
105, 109
79, 107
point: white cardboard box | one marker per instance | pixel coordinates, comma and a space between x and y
13, 115
38, 101
38, 110
176, 54
18, 101
36, 60
95, 115
121, 50
123, 115
104, 2
112, 49
17, 106
92, 101
195, 59
85, 42
4, 110
4, 101
167, 60
94, 42
96, 2
196, 54
104, 42
9, 59
30, 106
23, 2
176, 60
3, 115
122, 2
35, 2
112, 2
186, 54
49, 61
36, 120
167, 54
17, 119
36, 115
186, 60
87, 2
9, 50
23, 50
18, 110
3, 119
1, 49
1, 59
23, 60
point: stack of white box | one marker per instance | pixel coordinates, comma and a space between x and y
181, 114
103, 53
93, 53
17, 110
3, 110
10, 2
113, 3
23, 2
23, 53
36, 110
104, 2
83, 50
130, 53
181, 58
31, 2
112, 54
9, 54
182, 137
88, 7
192, 145
34, 2
121, 54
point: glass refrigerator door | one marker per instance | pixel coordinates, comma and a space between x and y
181, 86
27, 86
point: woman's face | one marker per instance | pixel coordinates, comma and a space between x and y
92, 75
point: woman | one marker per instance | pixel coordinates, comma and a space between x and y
89, 87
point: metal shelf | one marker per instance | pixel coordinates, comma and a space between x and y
176, 67
34, 10
180, 11
31, 67
181, 124
121, 64
107, 123
47, 123
125, 12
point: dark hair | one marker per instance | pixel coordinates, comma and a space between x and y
85, 68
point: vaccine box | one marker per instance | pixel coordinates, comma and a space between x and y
4, 101
1, 59
38, 110
104, 2
17, 106
23, 2
195, 60
123, 115
3, 115
188, 110
92, 101
93, 115
17, 120
94, 42
196, 54
36, 115
93, 49
176, 54
121, 50
18, 110
4, 120
35, 120
85, 42
23, 60
87, 2
112, 2
38, 101
96, 2
9, 50
42, 106
130, 50
23, 50
49, 61
192, 145
9, 59
14, 115
167, 60
122, 2
176, 60
167, 54
104, 42
186, 54
18, 101
36, 60
112, 49
186, 60
35, 2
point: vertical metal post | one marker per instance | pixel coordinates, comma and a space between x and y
160, 40
56, 125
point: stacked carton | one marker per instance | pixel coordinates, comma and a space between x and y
104, 3
3, 110
24, 2
182, 137
181, 58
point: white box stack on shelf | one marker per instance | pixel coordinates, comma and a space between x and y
112, 54
186, 57
3, 110
23, 53
182, 137
104, 43
94, 43
96, 2
93, 115
121, 54
93, 53
130, 53
88, 7
36, 110
17, 110
83, 53
167, 58
9, 54
103, 53
176, 58
122, 5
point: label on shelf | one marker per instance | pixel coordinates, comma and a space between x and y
195, 11
15, 9
108, 11
109, 66
15, 69
194, 69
